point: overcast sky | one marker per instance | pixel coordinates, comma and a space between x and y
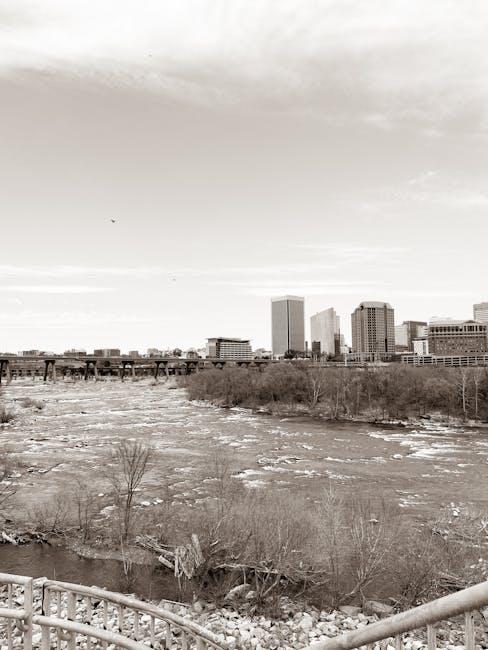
335, 150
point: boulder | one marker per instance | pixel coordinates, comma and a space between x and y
306, 623
350, 610
375, 607
237, 592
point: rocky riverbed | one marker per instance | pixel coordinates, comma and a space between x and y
294, 627
421, 469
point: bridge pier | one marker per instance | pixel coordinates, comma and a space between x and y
50, 363
3, 363
90, 363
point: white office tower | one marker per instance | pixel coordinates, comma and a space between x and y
325, 330
287, 324
480, 312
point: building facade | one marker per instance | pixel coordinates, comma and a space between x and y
325, 330
420, 346
480, 312
373, 328
107, 352
457, 337
287, 324
227, 348
406, 332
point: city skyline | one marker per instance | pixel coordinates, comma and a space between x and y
167, 169
308, 317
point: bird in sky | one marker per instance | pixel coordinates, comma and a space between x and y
112, 220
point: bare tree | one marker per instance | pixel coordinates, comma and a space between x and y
130, 459
462, 387
85, 502
316, 384
477, 374
7, 467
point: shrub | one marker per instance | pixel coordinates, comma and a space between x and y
6, 416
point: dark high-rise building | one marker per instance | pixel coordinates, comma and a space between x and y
373, 328
287, 324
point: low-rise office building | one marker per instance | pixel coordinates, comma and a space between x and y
107, 352
420, 346
450, 337
228, 348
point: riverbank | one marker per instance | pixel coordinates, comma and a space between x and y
294, 626
281, 410
393, 393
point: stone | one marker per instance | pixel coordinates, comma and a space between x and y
350, 610
239, 591
198, 607
375, 607
306, 623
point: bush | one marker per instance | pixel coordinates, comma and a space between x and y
6, 416
395, 391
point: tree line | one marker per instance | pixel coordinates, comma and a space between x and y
393, 391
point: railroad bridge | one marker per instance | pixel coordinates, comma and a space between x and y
91, 366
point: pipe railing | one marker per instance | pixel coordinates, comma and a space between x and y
464, 602
17, 617
108, 618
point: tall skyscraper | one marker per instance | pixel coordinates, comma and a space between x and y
287, 324
373, 328
325, 329
480, 312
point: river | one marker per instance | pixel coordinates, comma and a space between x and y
422, 470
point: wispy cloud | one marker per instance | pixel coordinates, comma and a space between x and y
378, 63
54, 288
65, 271
64, 319
348, 253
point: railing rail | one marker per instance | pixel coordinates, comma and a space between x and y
110, 618
127, 605
464, 602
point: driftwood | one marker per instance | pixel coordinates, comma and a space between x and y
183, 560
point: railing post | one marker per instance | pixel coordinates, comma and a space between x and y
469, 631
71, 615
431, 638
28, 618
45, 638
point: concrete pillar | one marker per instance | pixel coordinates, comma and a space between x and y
53, 371
133, 369
8, 373
95, 370
87, 366
46, 367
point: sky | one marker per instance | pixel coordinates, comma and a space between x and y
336, 150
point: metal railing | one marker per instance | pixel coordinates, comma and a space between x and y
103, 619
464, 602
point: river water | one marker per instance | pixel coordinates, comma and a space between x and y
422, 470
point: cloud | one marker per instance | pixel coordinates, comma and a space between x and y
349, 253
382, 64
63, 320
53, 288
76, 271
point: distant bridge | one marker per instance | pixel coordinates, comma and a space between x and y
91, 366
